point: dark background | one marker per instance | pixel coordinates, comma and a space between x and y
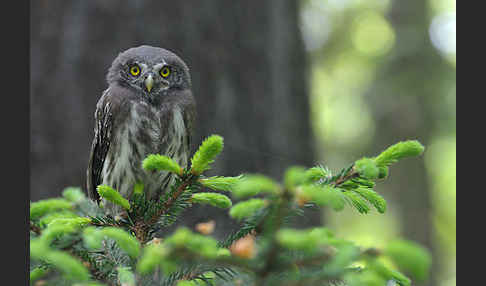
284, 82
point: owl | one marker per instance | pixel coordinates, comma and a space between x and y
148, 108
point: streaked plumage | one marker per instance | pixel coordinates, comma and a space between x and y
137, 116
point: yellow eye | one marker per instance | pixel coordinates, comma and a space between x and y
165, 71
134, 70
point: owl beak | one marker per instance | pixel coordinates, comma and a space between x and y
149, 83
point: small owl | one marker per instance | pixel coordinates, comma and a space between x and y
148, 108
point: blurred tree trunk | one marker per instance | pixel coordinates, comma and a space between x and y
248, 69
404, 99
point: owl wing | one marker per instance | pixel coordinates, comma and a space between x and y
104, 125
189, 116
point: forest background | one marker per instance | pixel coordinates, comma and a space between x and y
285, 82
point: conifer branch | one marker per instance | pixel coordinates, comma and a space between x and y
342, 179
276, 223
173, 198
141, 226
75, 238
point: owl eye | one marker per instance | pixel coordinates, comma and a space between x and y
135, 70
165, 71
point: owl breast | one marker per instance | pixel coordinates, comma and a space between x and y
146, 130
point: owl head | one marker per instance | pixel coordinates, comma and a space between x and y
149, 71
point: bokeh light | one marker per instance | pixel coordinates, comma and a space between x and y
443, 34
340, 117
372, 34
315, 28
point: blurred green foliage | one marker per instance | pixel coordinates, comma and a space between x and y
350, 44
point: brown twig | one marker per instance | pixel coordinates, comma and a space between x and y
141, 227
35, 228
170, 201
353, 174
104, 224
312, 260
140, 230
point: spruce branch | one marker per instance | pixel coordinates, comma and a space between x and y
399, 151
41, 208
247, 208
74, 236
104, 221
185, 184
38, 272
315, 174
344, 176
156, 162
413, 258
73, 194
214, 199
142, 225
250, 225
125, 276
220, 183
206, 153
253, 184
271, 227
113, 196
